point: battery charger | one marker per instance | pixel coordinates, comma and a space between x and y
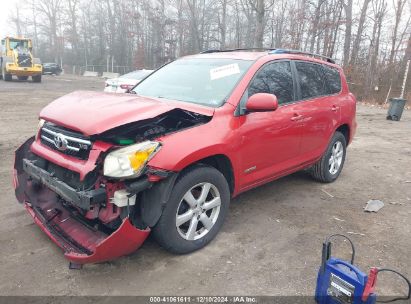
340, 282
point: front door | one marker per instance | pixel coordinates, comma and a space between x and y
269, 141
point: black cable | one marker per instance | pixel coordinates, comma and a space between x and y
347, 238
405, 279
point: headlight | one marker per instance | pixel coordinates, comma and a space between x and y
129, 162
40, 125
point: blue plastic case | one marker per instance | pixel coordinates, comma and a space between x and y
339, 282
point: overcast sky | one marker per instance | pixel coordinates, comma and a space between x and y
5, 8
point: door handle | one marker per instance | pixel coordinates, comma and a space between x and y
296, 117
335, 108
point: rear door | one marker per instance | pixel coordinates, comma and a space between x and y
319, 108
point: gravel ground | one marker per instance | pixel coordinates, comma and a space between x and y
270, 243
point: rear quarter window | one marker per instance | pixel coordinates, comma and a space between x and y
333, 79
311, 80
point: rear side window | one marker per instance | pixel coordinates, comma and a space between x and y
311, 80
275, 78
333, 79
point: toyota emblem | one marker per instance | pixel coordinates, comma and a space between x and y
60, 141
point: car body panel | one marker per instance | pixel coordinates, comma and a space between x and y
83, 167
269, 143
111, 110
81, 243
289, 133
319, 123
259, 146
123, 241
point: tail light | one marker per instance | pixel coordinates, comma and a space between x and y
126, 86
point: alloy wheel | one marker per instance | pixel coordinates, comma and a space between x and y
198, 211
336, 158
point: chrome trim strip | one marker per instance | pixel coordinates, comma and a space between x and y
52, 142
47, 139
76, 140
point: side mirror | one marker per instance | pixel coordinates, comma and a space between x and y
262, 102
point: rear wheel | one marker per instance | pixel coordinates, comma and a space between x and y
195, 211
329, 167
36, 78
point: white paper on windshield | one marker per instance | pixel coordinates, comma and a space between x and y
224, 71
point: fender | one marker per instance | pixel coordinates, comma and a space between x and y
203, 153
184, 148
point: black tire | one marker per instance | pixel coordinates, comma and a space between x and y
165, 232
36, 78
321, 170
22, 77
6, 77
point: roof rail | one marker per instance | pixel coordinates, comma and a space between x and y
236, 50
272, 51
297, 52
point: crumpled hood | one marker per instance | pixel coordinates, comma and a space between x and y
92, 113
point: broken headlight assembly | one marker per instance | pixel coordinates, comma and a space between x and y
40, 125
129, 162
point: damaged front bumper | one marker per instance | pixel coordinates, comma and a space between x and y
88, 245
82, 199
56, 208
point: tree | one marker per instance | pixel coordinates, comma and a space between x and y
50, 9
348, 25
260, 7
367, 37
358, 37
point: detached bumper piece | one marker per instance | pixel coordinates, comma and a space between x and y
83, 244
82, 199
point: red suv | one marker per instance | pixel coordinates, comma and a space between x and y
104, 170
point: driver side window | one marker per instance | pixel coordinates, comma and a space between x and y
275, 78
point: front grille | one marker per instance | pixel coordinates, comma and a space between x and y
24, 60
65, 141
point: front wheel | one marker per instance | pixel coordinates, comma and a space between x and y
329, 167
195, 211
5, 76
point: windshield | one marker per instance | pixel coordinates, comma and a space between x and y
137, 74
14, 43
203, 81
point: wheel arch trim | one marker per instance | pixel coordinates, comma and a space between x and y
154, 199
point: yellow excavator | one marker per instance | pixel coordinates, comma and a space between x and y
16, 58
